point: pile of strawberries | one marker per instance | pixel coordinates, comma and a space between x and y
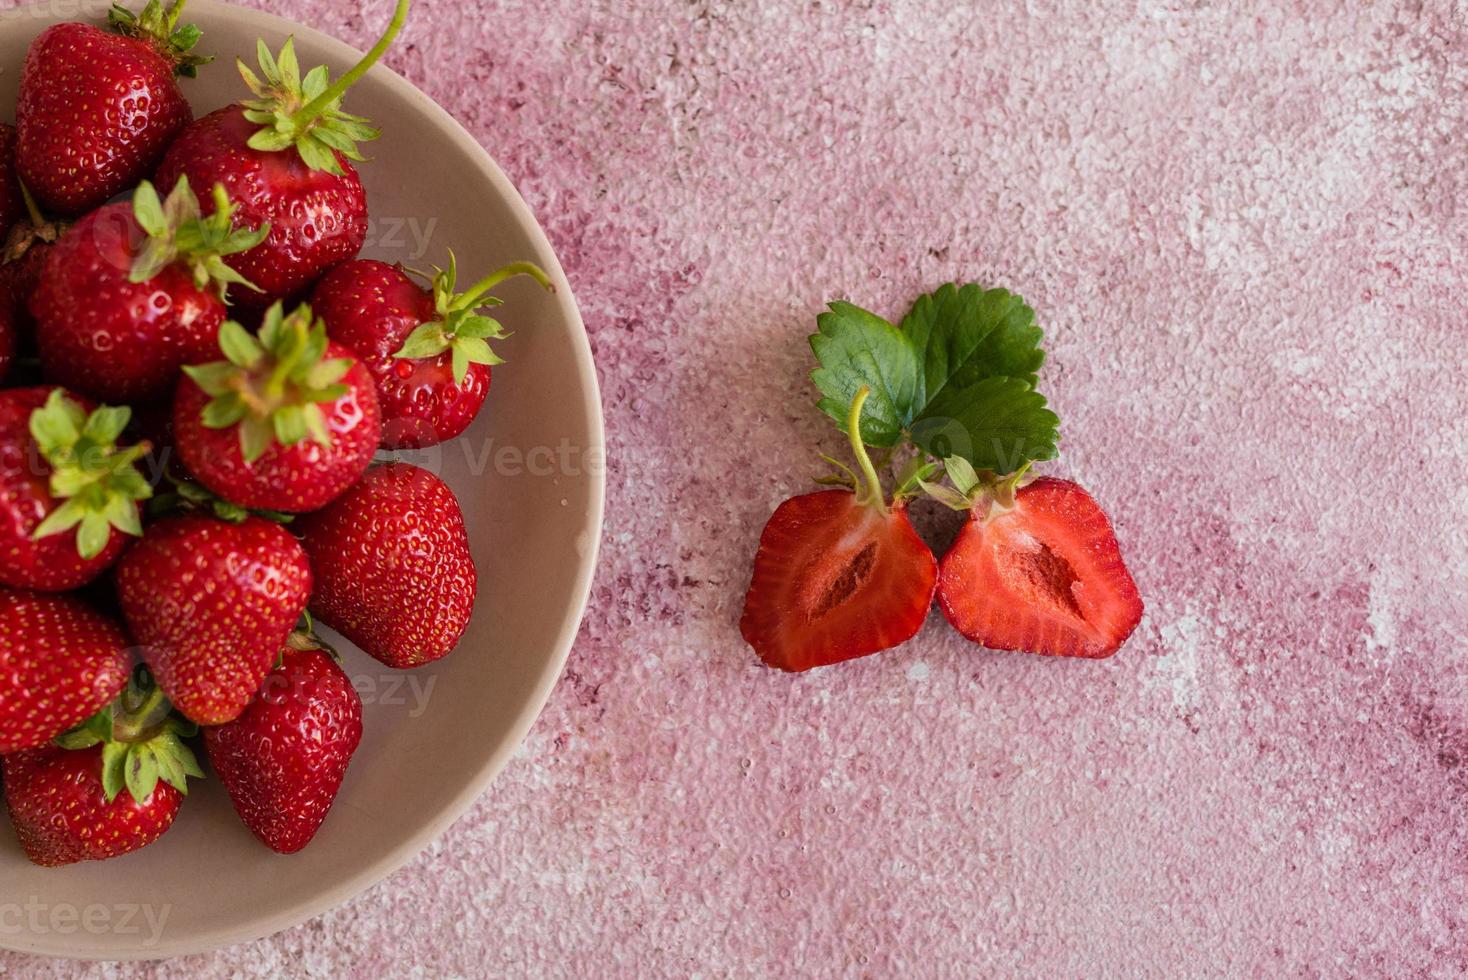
197, 379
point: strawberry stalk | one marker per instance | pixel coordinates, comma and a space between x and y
459, 326
869, 493
142, 741
305, 112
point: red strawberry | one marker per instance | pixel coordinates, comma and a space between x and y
132, 292
97, 108
210, 603
60, 663
286, 423
839, 574
285, 157
836, 577
426, 349
68, 496
393, 569
66, 800
1044, 575
283, 760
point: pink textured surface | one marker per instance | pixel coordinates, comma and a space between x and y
1244, 233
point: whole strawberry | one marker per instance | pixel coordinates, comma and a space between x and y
285, 157
285, 423
283, 760
97, 108
210, 603
427, 350
60, 663
68, 495
132, 292
393, 570
106, 788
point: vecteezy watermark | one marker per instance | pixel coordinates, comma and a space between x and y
38, 918
395, 689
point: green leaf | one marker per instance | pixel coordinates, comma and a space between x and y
290, 424
93, 536
239, 345
476, 351
256, 435
856, 348
959, 373
965, 334
426, 340
114, 763
148, 210
106, 423
63, 518
996, 424
223, 412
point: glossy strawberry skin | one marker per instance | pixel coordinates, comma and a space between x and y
317, 220
115, 340
60, 663
835, 579
210, 603
95, 113
50, 564
372, 307
284, 759
393, 570
1045, 577
296, 478
61, 814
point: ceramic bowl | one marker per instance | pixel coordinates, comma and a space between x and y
529, 476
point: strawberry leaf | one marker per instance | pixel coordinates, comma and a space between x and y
956, 379
856, 348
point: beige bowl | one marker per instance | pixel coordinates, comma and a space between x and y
530, 478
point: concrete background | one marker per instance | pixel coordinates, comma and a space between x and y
1245, 233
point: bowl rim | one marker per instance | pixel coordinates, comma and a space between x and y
373, 872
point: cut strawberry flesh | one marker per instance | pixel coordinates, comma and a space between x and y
836, 579
1045, 577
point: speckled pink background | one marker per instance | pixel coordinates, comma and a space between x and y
1247, 236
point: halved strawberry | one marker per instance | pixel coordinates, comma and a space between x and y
836, 578
839, 574
1044, 576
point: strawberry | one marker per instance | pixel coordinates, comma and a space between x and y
68, 496
97, 108
1040, 570
211, 603
287, 422
426, 349
839, 574
393, 570
284, 759
132, 292
285, 157
66, 800
60, 663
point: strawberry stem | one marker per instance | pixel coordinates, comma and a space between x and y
469, 299
312, 109
871, 495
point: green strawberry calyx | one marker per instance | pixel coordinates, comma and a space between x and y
460, 327
160, 27
272, 386
984, 492
178, 231
305, 112
188, 497
142, 741
98, 483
